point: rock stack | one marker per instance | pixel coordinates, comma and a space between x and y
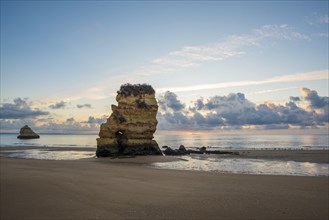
27, 133
130, 128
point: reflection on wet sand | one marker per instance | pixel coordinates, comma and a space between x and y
246, 165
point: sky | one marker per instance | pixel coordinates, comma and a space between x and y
216, 66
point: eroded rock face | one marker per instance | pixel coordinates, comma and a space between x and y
27, 133
130, 128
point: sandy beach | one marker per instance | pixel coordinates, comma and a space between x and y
127, 189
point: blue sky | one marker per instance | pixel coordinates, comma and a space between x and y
62, 62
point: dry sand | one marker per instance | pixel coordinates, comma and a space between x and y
127, 189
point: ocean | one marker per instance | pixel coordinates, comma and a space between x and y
212, 163
235, 142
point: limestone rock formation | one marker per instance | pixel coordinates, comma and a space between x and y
130, 128
27, 133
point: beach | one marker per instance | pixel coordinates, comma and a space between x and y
104, 188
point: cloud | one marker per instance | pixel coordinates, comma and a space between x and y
14, 125
71, 125
234, 45
231, 101
315, 100
294, 99
271, 90
190, 56
235, 111
58, 105
282, 31
214, 52
170, 101
70, 120
273, 127
84, 106
93, 120
20, 109
297, 77
19, 113
68, 126
317, 103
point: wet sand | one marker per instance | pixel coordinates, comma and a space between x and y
126, 189
313, 156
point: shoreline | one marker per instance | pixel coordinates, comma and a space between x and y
309, 155
117, 189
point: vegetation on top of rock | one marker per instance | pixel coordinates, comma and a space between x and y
135, 89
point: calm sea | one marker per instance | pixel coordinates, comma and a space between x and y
190, 141
212, 163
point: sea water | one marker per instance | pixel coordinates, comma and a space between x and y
213, 163
50, 140
234, 142
242, 142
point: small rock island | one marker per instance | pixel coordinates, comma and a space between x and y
27, 133
129, 129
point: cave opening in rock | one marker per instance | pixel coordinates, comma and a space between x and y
121, 140
119, 133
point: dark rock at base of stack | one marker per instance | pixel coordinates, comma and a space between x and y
27, 133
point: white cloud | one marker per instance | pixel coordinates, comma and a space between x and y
234, 45
215, 52
305, 76
280, 32
271, 90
